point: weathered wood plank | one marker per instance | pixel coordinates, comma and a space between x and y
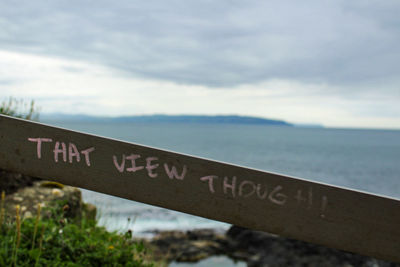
322, 214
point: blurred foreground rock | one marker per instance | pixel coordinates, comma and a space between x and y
10, 182
256, 248
190, 246
28, 193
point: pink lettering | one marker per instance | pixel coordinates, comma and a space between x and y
171, 173
57, 150
210, 180
324, 205
231, 186
86, 153
264, 195
276, 197
150, 167
39, 144
310, 198
119, 167
134, 168
299, 197
73, 152
250, 184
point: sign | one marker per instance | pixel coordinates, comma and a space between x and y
332, 216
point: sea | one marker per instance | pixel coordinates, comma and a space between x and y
361, 159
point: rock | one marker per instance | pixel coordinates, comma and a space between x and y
254, 247
40, 193
263, 249
89, 211
10, 182
190, 246
18, 199
57, 192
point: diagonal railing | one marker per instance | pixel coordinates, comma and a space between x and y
323, 214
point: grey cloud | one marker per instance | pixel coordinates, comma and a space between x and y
216, 43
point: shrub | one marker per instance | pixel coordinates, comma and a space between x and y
51, 239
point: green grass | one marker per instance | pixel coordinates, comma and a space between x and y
51, 239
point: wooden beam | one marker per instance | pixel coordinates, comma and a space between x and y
328, 215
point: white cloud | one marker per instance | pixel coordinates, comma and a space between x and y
69, 86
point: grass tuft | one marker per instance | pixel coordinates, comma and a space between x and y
64, 242
19, 108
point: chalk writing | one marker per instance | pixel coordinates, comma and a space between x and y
247, 184
133, 167
259, 195
307, 200
150, 166
134, 163
58, 150
323, 206
120, 167
86, 153
61, 148
39, 144
276, 197
210, 179
173, 173
73, 152
246, 189
234, 188
230, 186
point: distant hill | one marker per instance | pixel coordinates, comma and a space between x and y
220, 119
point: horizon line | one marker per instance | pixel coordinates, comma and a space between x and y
295, 124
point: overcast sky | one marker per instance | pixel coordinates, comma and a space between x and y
330, 62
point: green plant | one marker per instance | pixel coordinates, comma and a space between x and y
19, 108
64, 242
3, 196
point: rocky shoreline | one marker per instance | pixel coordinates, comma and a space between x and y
240, 244
257, 249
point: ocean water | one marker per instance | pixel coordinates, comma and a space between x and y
367, 160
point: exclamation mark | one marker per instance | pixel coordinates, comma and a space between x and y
323, 206
310, 198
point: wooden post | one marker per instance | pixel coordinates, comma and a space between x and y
336, 217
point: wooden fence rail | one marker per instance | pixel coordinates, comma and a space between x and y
336, 217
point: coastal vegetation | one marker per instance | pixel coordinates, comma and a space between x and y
52, 239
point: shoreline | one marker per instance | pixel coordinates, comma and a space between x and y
254, 248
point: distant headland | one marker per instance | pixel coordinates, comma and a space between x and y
217, 119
